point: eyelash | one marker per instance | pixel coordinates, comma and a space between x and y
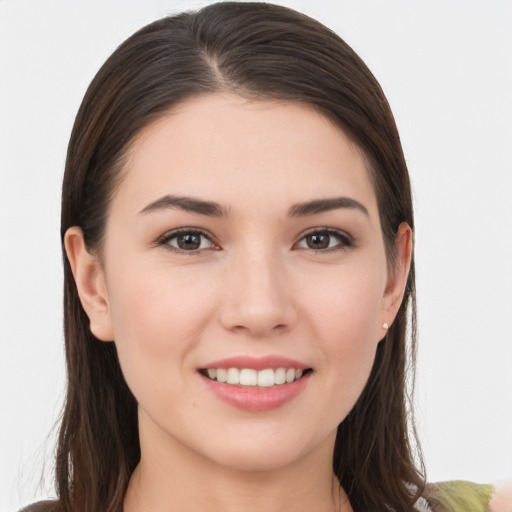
166, 239
344, 240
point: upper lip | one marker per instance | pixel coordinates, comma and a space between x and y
256, 363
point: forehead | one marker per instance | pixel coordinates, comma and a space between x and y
236, 149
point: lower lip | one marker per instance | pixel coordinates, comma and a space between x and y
257, 399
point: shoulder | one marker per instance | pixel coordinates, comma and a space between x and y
461, 496
43, 506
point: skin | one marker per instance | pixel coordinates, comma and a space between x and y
255, 287
501, 500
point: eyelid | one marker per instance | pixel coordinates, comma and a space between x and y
164, 239
345, 240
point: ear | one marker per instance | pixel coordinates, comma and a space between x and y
90, 283
398, 274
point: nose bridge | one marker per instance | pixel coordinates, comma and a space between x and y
256, 297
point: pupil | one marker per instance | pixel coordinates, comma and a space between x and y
318, 241
189, 241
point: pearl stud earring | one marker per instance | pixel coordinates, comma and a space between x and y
385, 326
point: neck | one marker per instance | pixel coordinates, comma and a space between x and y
175, 479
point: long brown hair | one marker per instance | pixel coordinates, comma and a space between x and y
260, 51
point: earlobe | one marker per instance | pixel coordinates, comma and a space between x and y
398, 275
90, 282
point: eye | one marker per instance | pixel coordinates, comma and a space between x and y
187, 240
324, 240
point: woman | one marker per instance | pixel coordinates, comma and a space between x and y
237, 225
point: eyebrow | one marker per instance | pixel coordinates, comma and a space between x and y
188, 204
212, 209
324, 205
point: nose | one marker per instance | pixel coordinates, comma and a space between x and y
257, 297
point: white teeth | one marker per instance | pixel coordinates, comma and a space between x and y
233, 376
249, 377
266, 378
280, 376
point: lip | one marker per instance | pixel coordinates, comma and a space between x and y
257, 363
253, 398
256, 399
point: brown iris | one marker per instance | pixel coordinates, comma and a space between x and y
188, 241
318, 240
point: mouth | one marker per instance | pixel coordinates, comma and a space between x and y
250, 377
256, 384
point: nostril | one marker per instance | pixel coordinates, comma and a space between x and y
258, 330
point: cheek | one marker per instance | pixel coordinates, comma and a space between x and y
345, 307
157, 302
157, 321
345, 315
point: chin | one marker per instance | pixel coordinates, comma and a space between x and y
267, 451
257, 460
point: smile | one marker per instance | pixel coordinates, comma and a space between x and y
256, 384
265, 378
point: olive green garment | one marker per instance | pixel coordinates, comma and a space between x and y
458, 496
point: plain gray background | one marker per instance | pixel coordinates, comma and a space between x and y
446, 67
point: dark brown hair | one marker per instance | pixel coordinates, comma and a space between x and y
260, 51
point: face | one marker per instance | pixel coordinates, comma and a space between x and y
243, 244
